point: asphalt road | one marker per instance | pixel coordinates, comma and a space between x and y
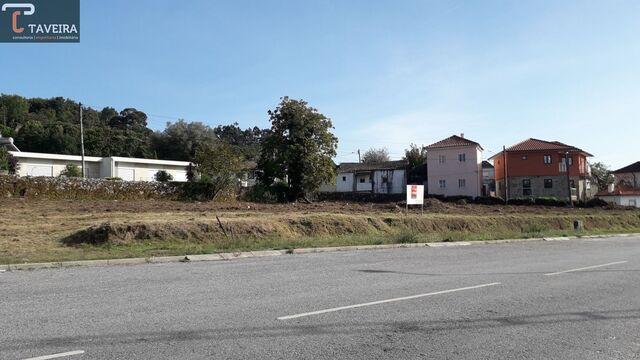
508, 301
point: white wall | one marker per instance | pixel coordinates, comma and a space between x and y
344, 182
363, 182
45, 167
396, 182
452, 170
132, 171
626, 200
39, 164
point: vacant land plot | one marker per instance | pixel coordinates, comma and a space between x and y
35, 231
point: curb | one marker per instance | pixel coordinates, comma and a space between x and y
269, 253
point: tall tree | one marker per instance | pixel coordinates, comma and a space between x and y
601, 175
218, 165
375, 156
246, 142
415, 155
299, 148
181, 140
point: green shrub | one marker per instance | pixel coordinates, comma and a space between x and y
551, 201
406, 237
163, 176
4, 159
71, 171
276, 193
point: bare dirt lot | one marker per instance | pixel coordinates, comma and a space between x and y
35, 231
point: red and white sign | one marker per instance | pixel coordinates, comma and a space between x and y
415, 194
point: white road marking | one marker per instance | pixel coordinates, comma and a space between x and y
586, 268
56, 356
288, 317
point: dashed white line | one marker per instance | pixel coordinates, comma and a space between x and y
586, 268
56, 356
288, 317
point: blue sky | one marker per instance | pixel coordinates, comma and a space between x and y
389, 73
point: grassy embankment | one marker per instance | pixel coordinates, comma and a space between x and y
59, 231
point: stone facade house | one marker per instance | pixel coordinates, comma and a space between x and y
538, 168
628, 176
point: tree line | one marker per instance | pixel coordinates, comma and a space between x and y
53, 126
294, 157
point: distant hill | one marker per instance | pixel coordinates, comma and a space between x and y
52, 126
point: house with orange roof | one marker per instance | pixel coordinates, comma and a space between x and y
540, 168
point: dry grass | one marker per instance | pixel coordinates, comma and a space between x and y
35, 231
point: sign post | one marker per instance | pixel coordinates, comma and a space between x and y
415, 196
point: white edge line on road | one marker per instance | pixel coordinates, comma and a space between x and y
288, 317
586, 268
55, 356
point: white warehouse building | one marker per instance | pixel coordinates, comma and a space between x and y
128, 169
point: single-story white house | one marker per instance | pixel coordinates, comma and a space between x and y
620, 195
389, 177
129, 169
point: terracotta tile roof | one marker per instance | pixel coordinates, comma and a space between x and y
532, 144
635, 167
453, 141
387, 165
620, 191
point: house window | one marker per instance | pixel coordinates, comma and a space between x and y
362, 180
548, 183
526, 187
462, 183
565, 160
385, 179
442, 159
525, 157
344, 178
443, 184
547, 159
572, 183
462, 157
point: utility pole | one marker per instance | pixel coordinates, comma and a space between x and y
566, 164
84, 171
506, 177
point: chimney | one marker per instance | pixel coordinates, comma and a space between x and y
612, 187
462, 135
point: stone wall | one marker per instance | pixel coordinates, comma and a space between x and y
94, 189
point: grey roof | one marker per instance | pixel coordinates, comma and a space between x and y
487, 165
8, 144
387, 165
635, 167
